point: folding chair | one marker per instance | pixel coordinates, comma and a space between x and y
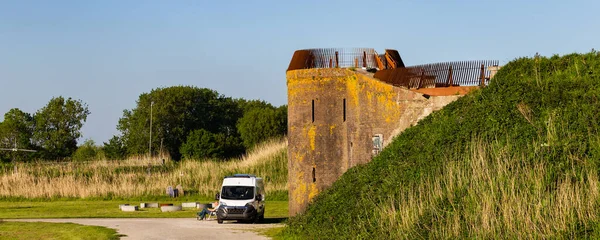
210, 214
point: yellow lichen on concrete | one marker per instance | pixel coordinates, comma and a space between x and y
381, 99
312, 133
299, 157
331, 127
313, 192
299, 192
352, 89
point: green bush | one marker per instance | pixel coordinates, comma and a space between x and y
260, 124
202, 144
115, 148
537, 109
88, 151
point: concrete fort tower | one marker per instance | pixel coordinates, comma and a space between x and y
345, 105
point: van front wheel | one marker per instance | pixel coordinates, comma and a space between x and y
256, 219
220, 221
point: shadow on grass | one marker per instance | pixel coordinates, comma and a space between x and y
274, 220
264, 221
19, 207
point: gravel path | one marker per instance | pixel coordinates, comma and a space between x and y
169, 228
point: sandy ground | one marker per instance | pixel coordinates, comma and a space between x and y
170, 228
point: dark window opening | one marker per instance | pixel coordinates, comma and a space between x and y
313, 110
344, 109
314, 175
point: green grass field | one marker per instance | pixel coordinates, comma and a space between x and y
276, 212
96, 189
109, 209
39, 230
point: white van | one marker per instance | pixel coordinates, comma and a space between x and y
242, 197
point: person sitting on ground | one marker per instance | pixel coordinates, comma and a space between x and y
207, 211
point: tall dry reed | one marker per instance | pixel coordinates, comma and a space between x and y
492, 193
140, 176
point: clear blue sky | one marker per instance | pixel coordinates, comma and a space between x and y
107, 53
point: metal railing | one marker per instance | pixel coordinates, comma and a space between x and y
344, 58
390, 67
446, 74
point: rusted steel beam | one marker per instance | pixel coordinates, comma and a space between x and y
379, 63
482, 76
421, 78
391, 64
364, 59
450, 83
337, 59
394, 55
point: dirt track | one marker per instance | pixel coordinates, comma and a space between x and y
169, 228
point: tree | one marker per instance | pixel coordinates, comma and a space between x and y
260, 124
176, 111
247, 105
15, 132
87, 151
17, 129
58, 126
114, 149
203, 144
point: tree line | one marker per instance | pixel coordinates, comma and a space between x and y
184, 122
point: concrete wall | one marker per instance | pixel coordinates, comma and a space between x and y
333, 115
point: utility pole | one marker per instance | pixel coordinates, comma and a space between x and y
150, 141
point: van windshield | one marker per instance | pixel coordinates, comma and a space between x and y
237, 192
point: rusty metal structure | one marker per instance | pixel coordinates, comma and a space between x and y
390, 68
446, 74
345, 58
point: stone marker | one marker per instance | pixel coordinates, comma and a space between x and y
179, 190
170, 208
152, 205
202, 205
189, 204
129, 208
148, 205
169, 191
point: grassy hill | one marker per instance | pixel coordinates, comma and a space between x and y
517, 159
